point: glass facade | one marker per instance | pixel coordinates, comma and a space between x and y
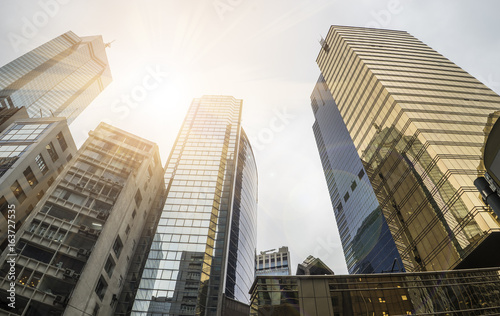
460, 292
204, 243
59, 78
16, 140
418, 123
366, 238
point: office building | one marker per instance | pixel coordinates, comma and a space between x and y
75, 249
313, 266
366, 239
203, 252
456, 292
418, 123
33, 153
9, 116
59, 78
273, 262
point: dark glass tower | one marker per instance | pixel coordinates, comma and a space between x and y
419, 123
366, 238
204, 247
59, 78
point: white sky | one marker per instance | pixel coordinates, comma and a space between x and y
260, 51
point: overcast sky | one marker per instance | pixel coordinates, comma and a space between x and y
260, 51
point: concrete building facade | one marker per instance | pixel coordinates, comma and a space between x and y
74, 251
33, 153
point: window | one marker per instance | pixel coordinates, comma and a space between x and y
133, 214
62, 141
353, 185
127, 230
4, 207
109, 266
361, 174
117, 246
346, 197
52, 152
40, 195
101, 288
30, 177
138, 198
51, 180
41, 164
18, 191
150, 173
24, 132
8, 151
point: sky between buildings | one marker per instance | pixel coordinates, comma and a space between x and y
167, 52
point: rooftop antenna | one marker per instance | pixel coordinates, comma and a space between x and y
323, 44
108, 45
267, 251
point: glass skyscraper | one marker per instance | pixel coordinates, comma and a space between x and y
58, 78
419, 123
204, 247
366, 239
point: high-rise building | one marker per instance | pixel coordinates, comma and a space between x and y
418, 122
33, 153
366, 239
272, 262
58, 78
203, 252
74, 251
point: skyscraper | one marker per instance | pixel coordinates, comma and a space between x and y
204, 247
58, 78
74, 251
366, 239
418, 123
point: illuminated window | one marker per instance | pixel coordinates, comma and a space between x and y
30, 177
18, 191
404, 298
381, 300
